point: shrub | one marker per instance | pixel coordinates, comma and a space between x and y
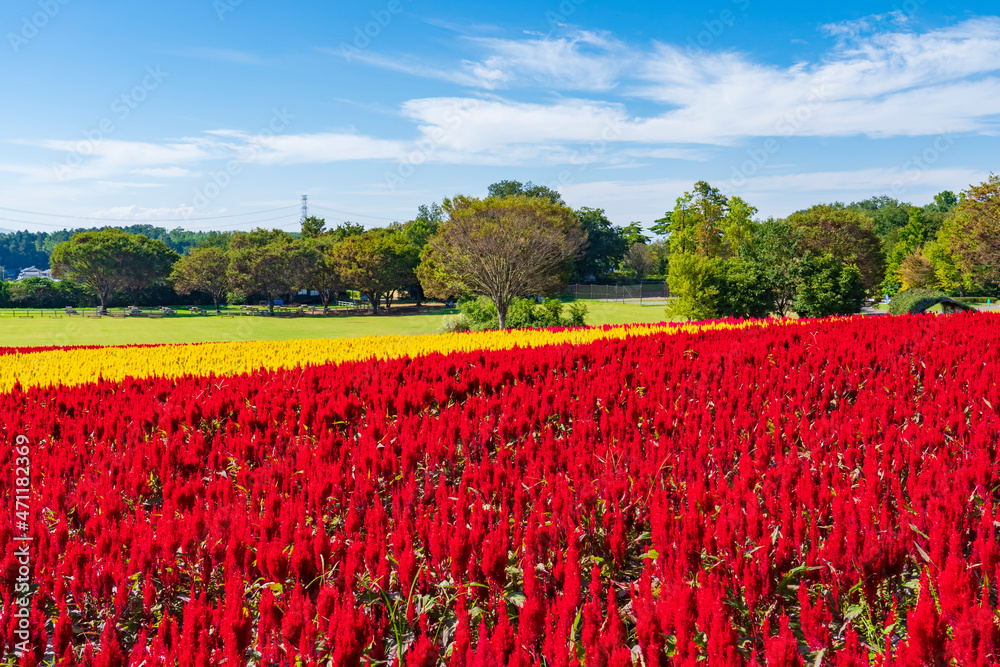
828, 287
481, 314
696, 281
745, 290
919, 300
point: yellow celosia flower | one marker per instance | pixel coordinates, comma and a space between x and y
75, 367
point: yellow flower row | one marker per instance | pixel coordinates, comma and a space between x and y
75, 367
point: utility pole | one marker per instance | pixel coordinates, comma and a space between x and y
305, 208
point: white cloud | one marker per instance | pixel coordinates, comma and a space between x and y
318, 148
580, 61
164, 172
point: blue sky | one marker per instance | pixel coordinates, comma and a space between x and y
220, 114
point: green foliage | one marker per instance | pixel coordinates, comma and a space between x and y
909, 240
479, 314
204, 270
19, 250
745, 290
632, 233
696, 281
99, 260
378, 264
344, 230
828, 287
846, 234
975, 232
606, 245
268, 263
529, 189
313, 227
501, 248
696, 224
45, 293
916, 301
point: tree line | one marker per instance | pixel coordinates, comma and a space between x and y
828, 259
21, 249
522, 240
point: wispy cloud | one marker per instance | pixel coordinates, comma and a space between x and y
220, 55
874, 82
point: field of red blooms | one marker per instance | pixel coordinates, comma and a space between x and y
826, 493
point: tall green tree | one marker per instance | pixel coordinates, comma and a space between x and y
777, 250
847, 235
638, 261
828, 287
529, 189
975, 238
695, 282
268, 262
605, 249
378, 264
148, 262
204, 270
910, 240
323, 274
95, 259
697, 222
313, 227
502, 248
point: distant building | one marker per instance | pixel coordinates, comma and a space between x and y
33, 272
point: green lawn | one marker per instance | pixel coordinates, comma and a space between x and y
77, 330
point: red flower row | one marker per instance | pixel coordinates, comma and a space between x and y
727, 497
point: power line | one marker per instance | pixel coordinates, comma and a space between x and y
354, 214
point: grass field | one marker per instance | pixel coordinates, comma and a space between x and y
76, 330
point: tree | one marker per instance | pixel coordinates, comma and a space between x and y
697, 222
605, 249
313, 227
946, 270
975, 238
847, 235
345, 230
94, 259
147, 262
744, 289
917, 271
377, 264
323, 273
529, 189
886, 214
910, 240
776, 250
501, 248
660, 250
417, 232
638, 261
632, 233
694, 281
204, 270
738, 227
828, 287
269, 263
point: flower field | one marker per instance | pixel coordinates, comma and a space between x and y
820, 492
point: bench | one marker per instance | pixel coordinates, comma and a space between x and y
155, 316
